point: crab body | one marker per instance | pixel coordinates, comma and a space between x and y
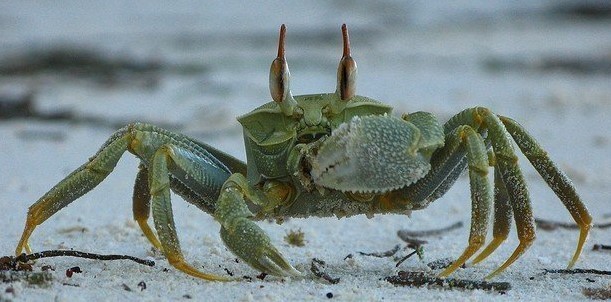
334, 154
307, 154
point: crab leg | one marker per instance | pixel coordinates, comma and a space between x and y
446, 165
174, 162
481, 192
142, 196
159, 183
75, 185
447, 183
555, 179
142, 205
507, 163
502, 218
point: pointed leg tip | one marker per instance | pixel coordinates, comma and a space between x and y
293, 272
572, 263
494, 274
278, 267
445, 274
21, 247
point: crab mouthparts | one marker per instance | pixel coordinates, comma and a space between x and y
313, 135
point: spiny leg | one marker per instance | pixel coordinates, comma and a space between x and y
482, 119
159, 184
556, 180
502, 218
481, 192
142, 205
241, 235
507, 163
75, 185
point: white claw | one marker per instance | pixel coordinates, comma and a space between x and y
370, 154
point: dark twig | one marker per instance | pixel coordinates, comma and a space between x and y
69, 253
407, 233
388, 253
416, 244
553, 225
600, 247
418, 279
576, 271
602, 293
316, 270
406, 257
8, 263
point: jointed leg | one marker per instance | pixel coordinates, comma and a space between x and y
75, 185
447, 164
556, 180
507, 164
502, 218
481, 192
142, 205
511, 193
159, 183
481, 119
449, 181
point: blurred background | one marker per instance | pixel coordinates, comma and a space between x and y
195, 65
72, 72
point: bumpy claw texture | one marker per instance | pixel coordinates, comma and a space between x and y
370, 154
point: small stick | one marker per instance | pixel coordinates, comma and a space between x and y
599, 247
406, 257
70, 253
383, 254
418, 279
320, 274
407, 233
576, 271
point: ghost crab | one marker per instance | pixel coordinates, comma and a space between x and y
322, 155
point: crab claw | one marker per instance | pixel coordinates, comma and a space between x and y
247, 241
370, 154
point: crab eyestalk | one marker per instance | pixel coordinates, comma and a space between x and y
279, 79
346, 74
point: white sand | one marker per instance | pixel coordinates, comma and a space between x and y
425, 62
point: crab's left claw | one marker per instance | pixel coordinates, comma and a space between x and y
373, 154
248, 241
242, 236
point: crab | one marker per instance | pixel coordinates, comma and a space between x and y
329, 154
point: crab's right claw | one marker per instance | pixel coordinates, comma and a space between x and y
247, 241
371, 154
